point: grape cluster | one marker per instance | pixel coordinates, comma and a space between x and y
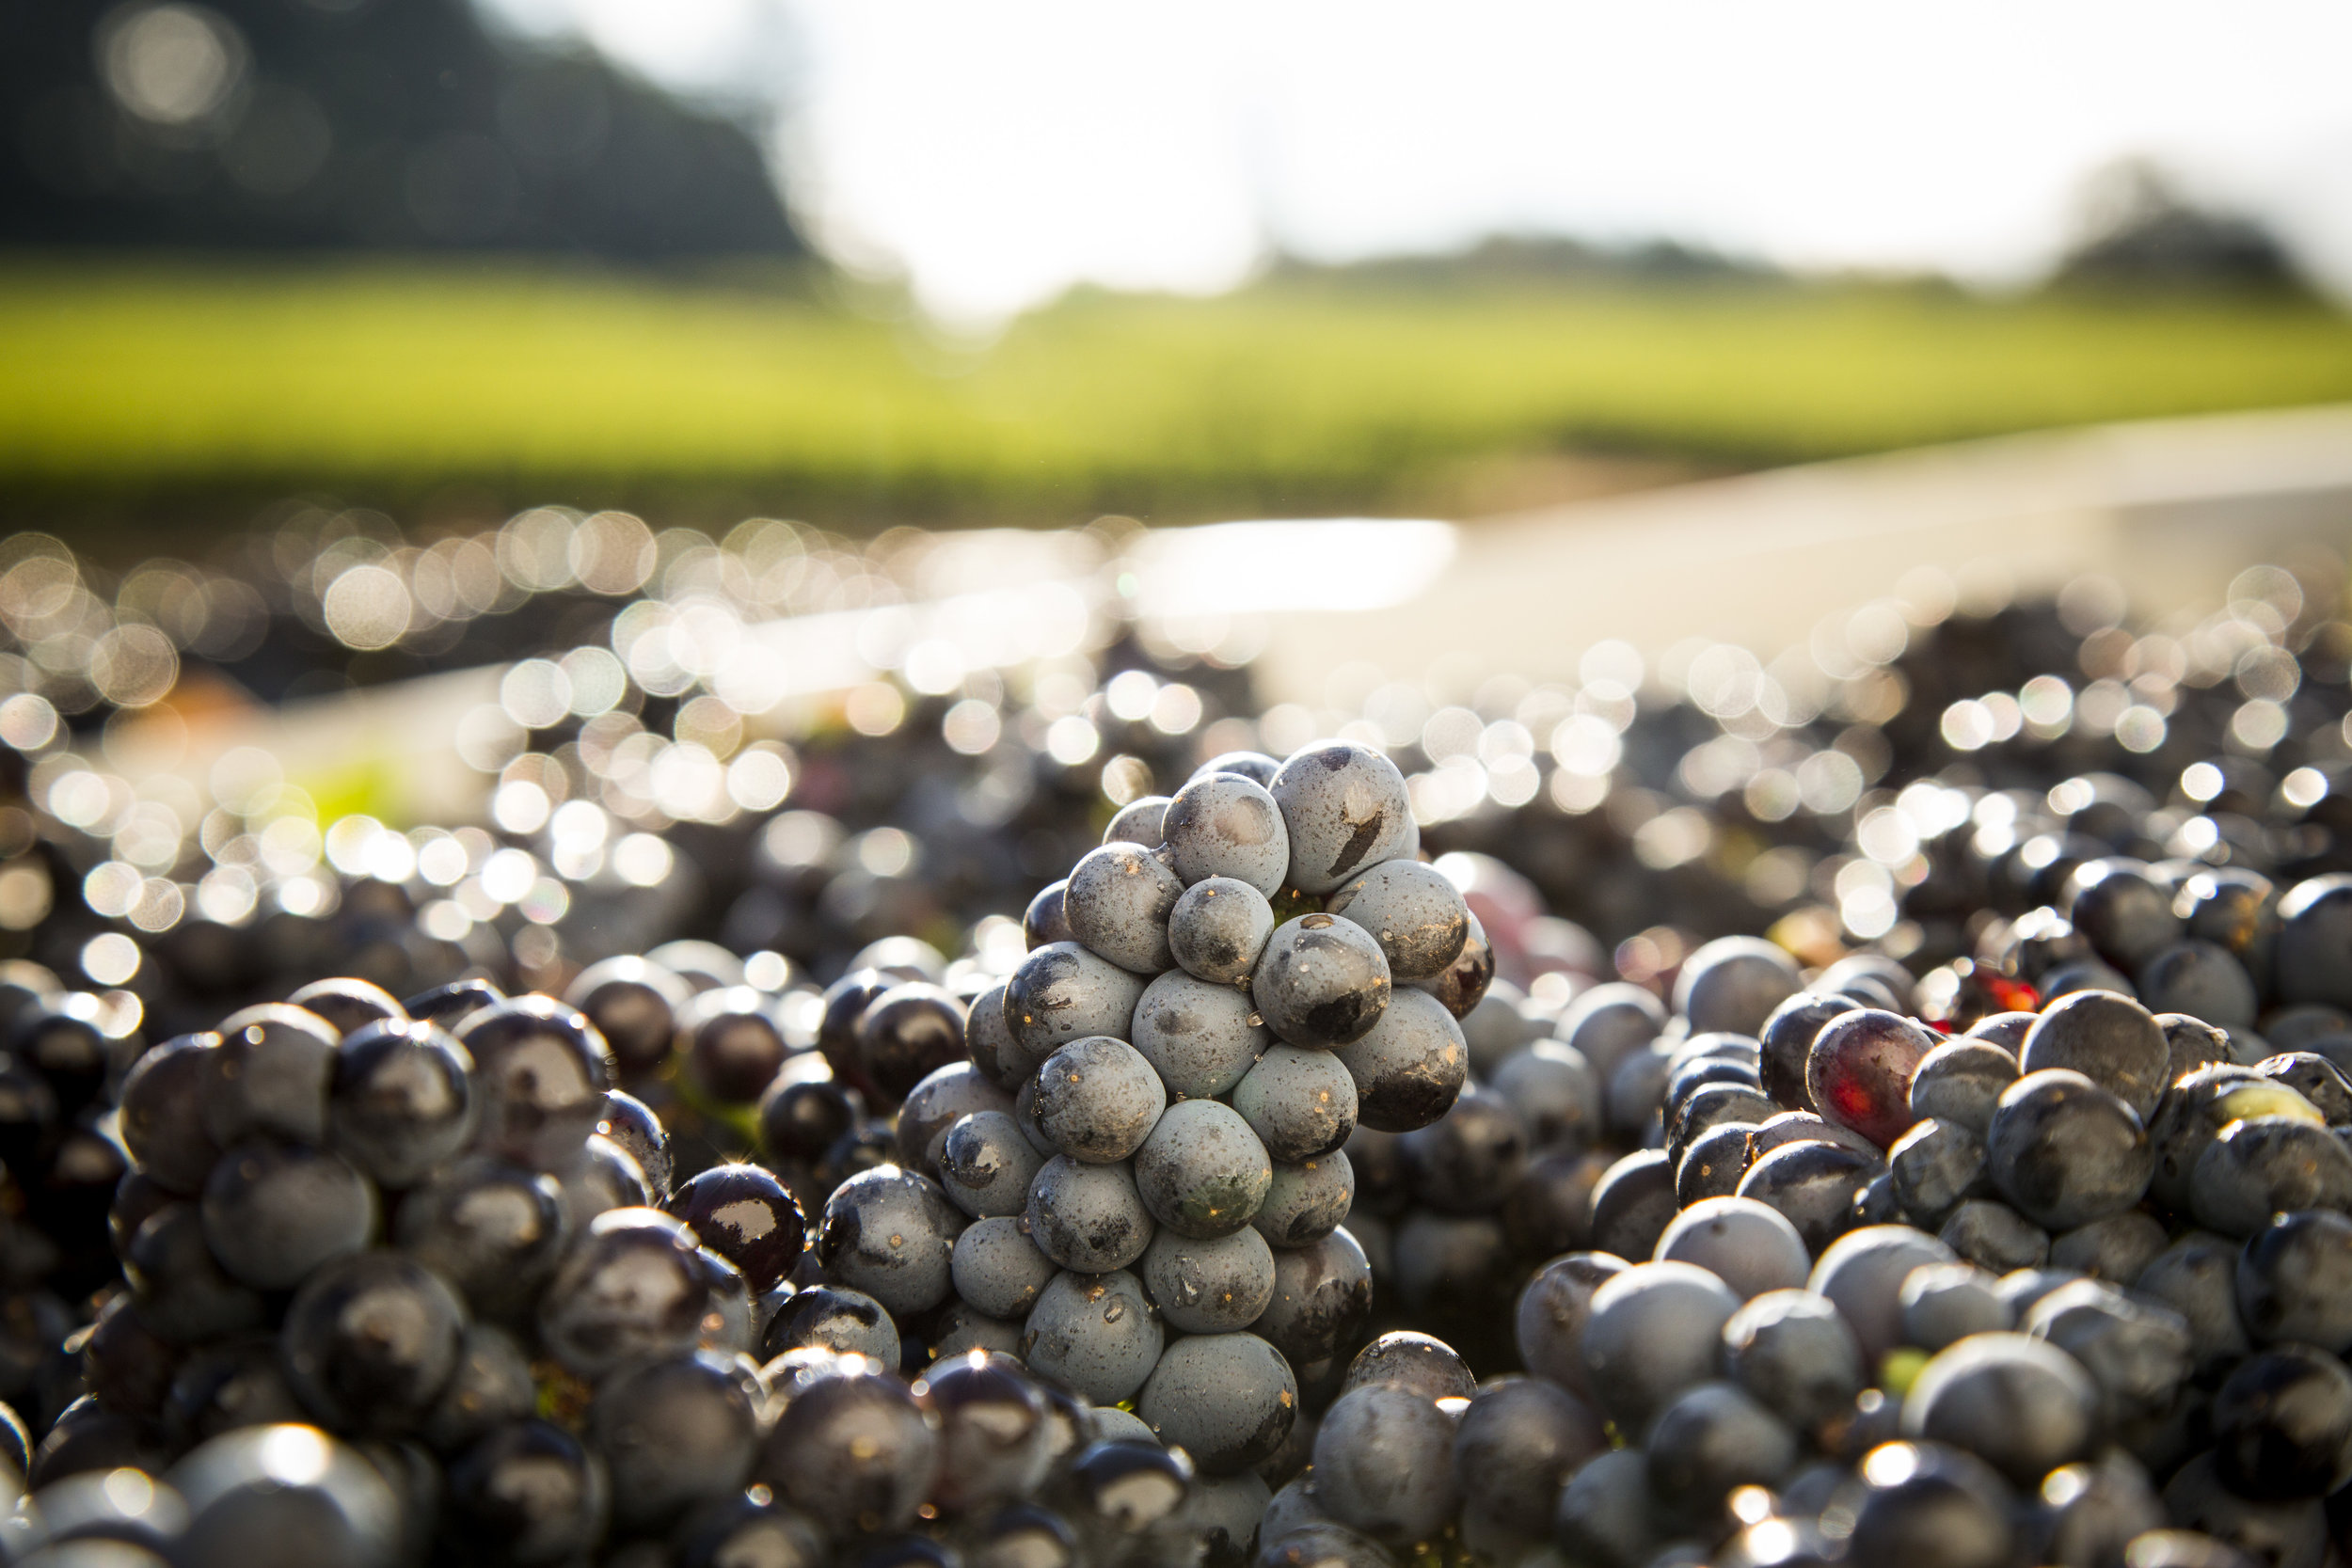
414, 1281
2067, 1287
1136, 1181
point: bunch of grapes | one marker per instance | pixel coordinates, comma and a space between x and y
1137, 1182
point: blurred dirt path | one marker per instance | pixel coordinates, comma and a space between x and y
2171, 509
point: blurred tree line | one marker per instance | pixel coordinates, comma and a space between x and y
380, 124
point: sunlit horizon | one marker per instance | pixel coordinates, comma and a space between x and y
995, 156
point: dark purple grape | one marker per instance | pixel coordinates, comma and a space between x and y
1220, 825
1859, 1072
733, 1047
1201, 1038
163, 1112
1322, 982
1417, 915
635, 1005
1747, 1244
2065, 1151
1937, 1167
1711, 1440
270, 1075
2315, 945
846, 1001
1786, 1041
451, 1004
1811, 1184
1733, 983
2317, 1079
2294, 1281
905, 1035
2139, 1355
1923, 1506
527, 1493
1305, 1200
938, 1103
1345, 807
1464, 984
540, 1071
2236, 909
744, 1214
997, 1269
1117, 902
126, 1363
2121, 910
853, 1448
806, 1111
1654, 1331
371, 1342
1321, 1299
1793, 1351
347, 1004
1203, 1172
1218, 929
1609, 1021
631, 1126
1383, 1465
674, 1434
2282, 1424
1098, 1099
1515, 1448
848, 1322
2109, 1040
1228, 1400
1960, 1081
1045, 920
400, 1102
986, 1164
994, 1436
888, 1232
630, 1289
60, 1041
2021, 1405
1465, 1161
267, 1495
1061, 992
1862, 1274
492, 1230
2200, 978
2267, 1166
181, 1289
1210, 1287
273, 1212
1632, 1204
1142, 820
1410, 1066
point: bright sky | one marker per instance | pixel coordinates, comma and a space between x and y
996, 153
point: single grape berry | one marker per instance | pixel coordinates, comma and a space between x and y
1199, 1037
400, 1101
1221, 825
745, 1215
1118, 903
1218, 929
1859, 1068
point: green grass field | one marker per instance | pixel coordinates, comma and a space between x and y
120, 379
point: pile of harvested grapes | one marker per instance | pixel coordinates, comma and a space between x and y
1889, 1105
